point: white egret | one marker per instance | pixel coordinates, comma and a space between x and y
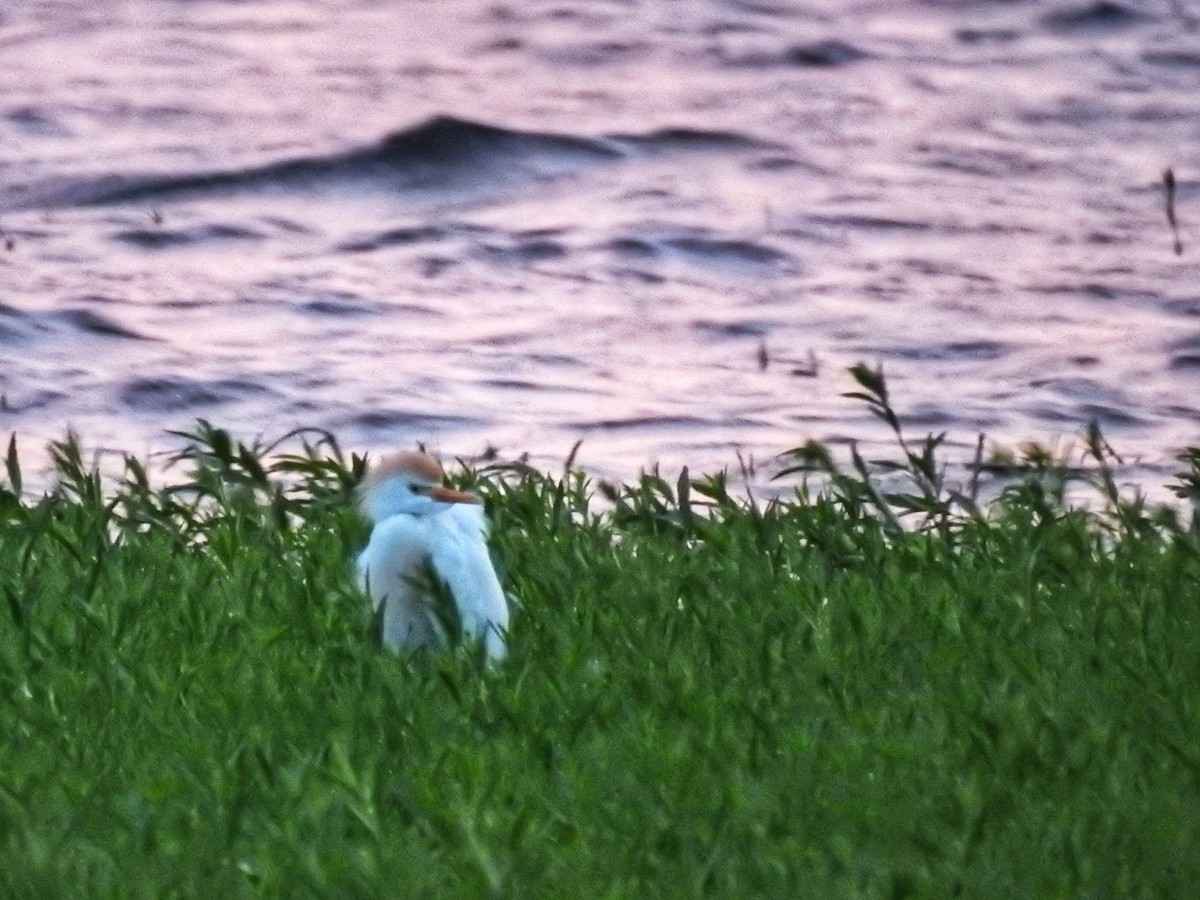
418, 521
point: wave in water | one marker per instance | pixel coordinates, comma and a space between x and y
442, 153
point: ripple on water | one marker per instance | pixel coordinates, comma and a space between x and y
338, 307
163, 238
652, 422
1187, 362
1185, 59
16, 324
406, 420
1190, 344
735, 329
823, 54
35, 121
1102, 14
392, 237
986, 35
92, 322
12, 324
174, 393
707, 249
937, 416
668, 139
30, 402
1078, 400
975, 351
522, 251
727, 251
436, 152
870, 223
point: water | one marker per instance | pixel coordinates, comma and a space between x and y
515, 225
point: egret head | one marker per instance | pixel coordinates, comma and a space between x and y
407, 484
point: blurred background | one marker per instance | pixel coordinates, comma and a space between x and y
663, 228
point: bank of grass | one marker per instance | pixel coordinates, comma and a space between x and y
705, 697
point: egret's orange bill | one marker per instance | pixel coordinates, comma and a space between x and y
448, 495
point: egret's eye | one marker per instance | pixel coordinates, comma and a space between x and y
415, 488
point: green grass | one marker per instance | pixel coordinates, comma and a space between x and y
705, 696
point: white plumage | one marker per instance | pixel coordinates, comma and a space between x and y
418, 521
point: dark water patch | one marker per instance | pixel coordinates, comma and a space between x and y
1184, 59
1159, 115
433, 266
784, 163
703, 248
926, 415
733, 250
691, 139
512, 384
160, 238
153, 238
639, 275
11, 334
392, 237
643, 422
982, 162
1189, 362
396, 419
542, 387
721, 27
590, 55
1189, 306
101, 299
952, 351
189, 303
1102, 14
337, 307
558, 360
525, 251
16, 324
986, 35
726, 251
823, 54
1094, 290
447, 141
287, 226
503, 45
937, 267
732, 329
1075, 112
92, 322
33, 121
226, 233
534, 250
639, 248
1105, 238
176, 394
1073, 387
870, 223
1189, 344
503, 339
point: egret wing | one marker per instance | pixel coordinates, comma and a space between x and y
390, 570
459, 554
